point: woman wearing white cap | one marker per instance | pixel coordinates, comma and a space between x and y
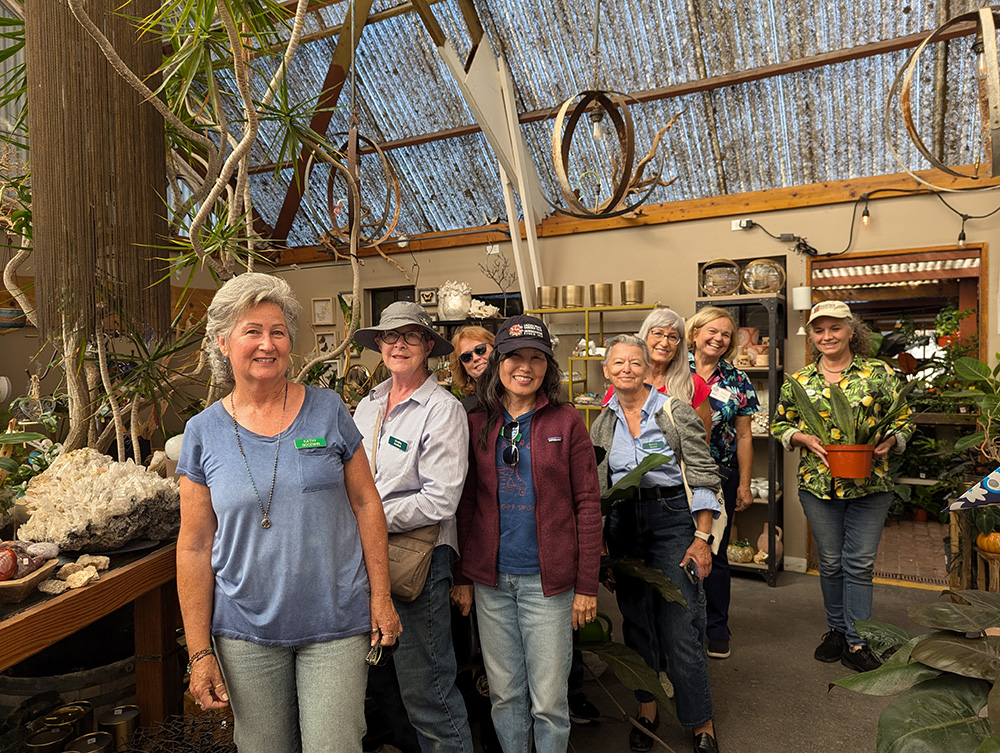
846, 515
417, 437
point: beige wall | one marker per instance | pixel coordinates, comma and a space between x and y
666, 257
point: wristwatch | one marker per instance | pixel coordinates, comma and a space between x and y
706, 537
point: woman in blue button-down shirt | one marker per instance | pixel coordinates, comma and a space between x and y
659, 527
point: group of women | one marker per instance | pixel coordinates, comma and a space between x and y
284, 583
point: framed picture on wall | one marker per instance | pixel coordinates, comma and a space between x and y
427, 296
326, 341
322, 312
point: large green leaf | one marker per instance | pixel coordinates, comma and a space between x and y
20, 437
984, 599
623, 488
972, 369
630, 669
814, 423
882, 636
959, 618
938, 715
969, 441
990, 745
993, 706
653, 576
896, 675
843, 414
969, 657
8, 464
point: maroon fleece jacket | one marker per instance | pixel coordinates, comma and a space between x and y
567, 503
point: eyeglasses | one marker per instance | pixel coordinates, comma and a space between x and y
659, 334
413, 337
379, 655
479, 350
511, 431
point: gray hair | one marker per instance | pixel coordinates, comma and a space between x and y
627, 340
678, 381
232, 301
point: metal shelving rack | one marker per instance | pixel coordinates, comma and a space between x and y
588, 410
775, 306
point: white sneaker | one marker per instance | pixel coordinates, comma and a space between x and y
668, 687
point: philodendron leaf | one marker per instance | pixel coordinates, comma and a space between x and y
623, 488
896, 675
882, 636
993, 707
653, 576
990, 745
969, 657
8, 464
940, 714
972, 370
630, 669
968, 441
984, 599
959, 618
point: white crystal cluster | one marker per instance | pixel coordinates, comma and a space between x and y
86, 502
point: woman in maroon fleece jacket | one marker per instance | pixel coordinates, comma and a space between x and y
529, 533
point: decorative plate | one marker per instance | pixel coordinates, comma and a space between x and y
763, 276
720, 277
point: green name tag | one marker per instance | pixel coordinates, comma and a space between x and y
659, 444
397, 443
301, 444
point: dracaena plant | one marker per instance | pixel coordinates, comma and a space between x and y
854, 428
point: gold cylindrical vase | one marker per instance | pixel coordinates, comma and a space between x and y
600, 294
572, 296
121, 723
632, 292
548, 297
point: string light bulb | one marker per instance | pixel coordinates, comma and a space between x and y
866, 217
978, 49
961, 233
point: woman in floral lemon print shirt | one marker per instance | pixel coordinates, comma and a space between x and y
846, 515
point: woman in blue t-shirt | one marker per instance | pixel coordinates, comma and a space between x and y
529, 532
282, 565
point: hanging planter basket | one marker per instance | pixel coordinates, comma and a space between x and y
850, 460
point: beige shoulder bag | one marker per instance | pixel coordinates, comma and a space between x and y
719, 523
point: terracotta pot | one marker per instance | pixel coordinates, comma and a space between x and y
920, 515
850, 460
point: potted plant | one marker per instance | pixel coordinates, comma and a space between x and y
851, 457
947, 322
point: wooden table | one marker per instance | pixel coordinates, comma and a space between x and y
149, 582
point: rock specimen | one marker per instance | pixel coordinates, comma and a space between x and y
86, 502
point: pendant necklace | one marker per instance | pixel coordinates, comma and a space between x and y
266, 521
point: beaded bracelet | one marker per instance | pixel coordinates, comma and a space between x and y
199, 655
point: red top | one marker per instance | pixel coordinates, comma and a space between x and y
701, 392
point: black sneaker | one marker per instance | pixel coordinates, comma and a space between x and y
832, 648
862, 660
718, 649
582, 711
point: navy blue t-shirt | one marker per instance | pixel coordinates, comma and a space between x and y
516, 495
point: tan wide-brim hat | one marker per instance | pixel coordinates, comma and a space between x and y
401, 314
836, 309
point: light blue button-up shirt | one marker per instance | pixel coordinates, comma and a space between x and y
628, 451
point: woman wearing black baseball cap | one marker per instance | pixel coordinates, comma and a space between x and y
529, 530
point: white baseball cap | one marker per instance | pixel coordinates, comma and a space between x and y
836, 309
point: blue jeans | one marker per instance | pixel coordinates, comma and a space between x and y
527, 641
425, 663
287, 699
659, 532
847, 532
718, 584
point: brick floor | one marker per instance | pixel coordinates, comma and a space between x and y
913, 551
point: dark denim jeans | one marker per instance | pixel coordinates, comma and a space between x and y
659, 532
718, 584
425, 663
847, 532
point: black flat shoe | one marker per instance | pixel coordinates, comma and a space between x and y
638, 740
705, 743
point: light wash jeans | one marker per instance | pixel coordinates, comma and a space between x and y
659, 532
287, 699
527, 641
847, 532
425, 663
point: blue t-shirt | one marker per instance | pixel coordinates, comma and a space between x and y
516, 496
303, 580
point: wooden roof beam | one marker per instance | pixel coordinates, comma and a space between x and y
340, 64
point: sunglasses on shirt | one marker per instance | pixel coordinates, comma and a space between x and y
511, 431
479, 350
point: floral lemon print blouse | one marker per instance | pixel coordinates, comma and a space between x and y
871, 387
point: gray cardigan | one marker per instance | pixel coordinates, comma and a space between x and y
687, 441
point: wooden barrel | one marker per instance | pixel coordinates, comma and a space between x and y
105, 687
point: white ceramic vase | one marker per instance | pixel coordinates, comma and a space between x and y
454, 306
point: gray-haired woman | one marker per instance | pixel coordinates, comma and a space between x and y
282, 567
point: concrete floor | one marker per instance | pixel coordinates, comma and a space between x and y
770, 695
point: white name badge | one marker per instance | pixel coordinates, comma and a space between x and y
721, 394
